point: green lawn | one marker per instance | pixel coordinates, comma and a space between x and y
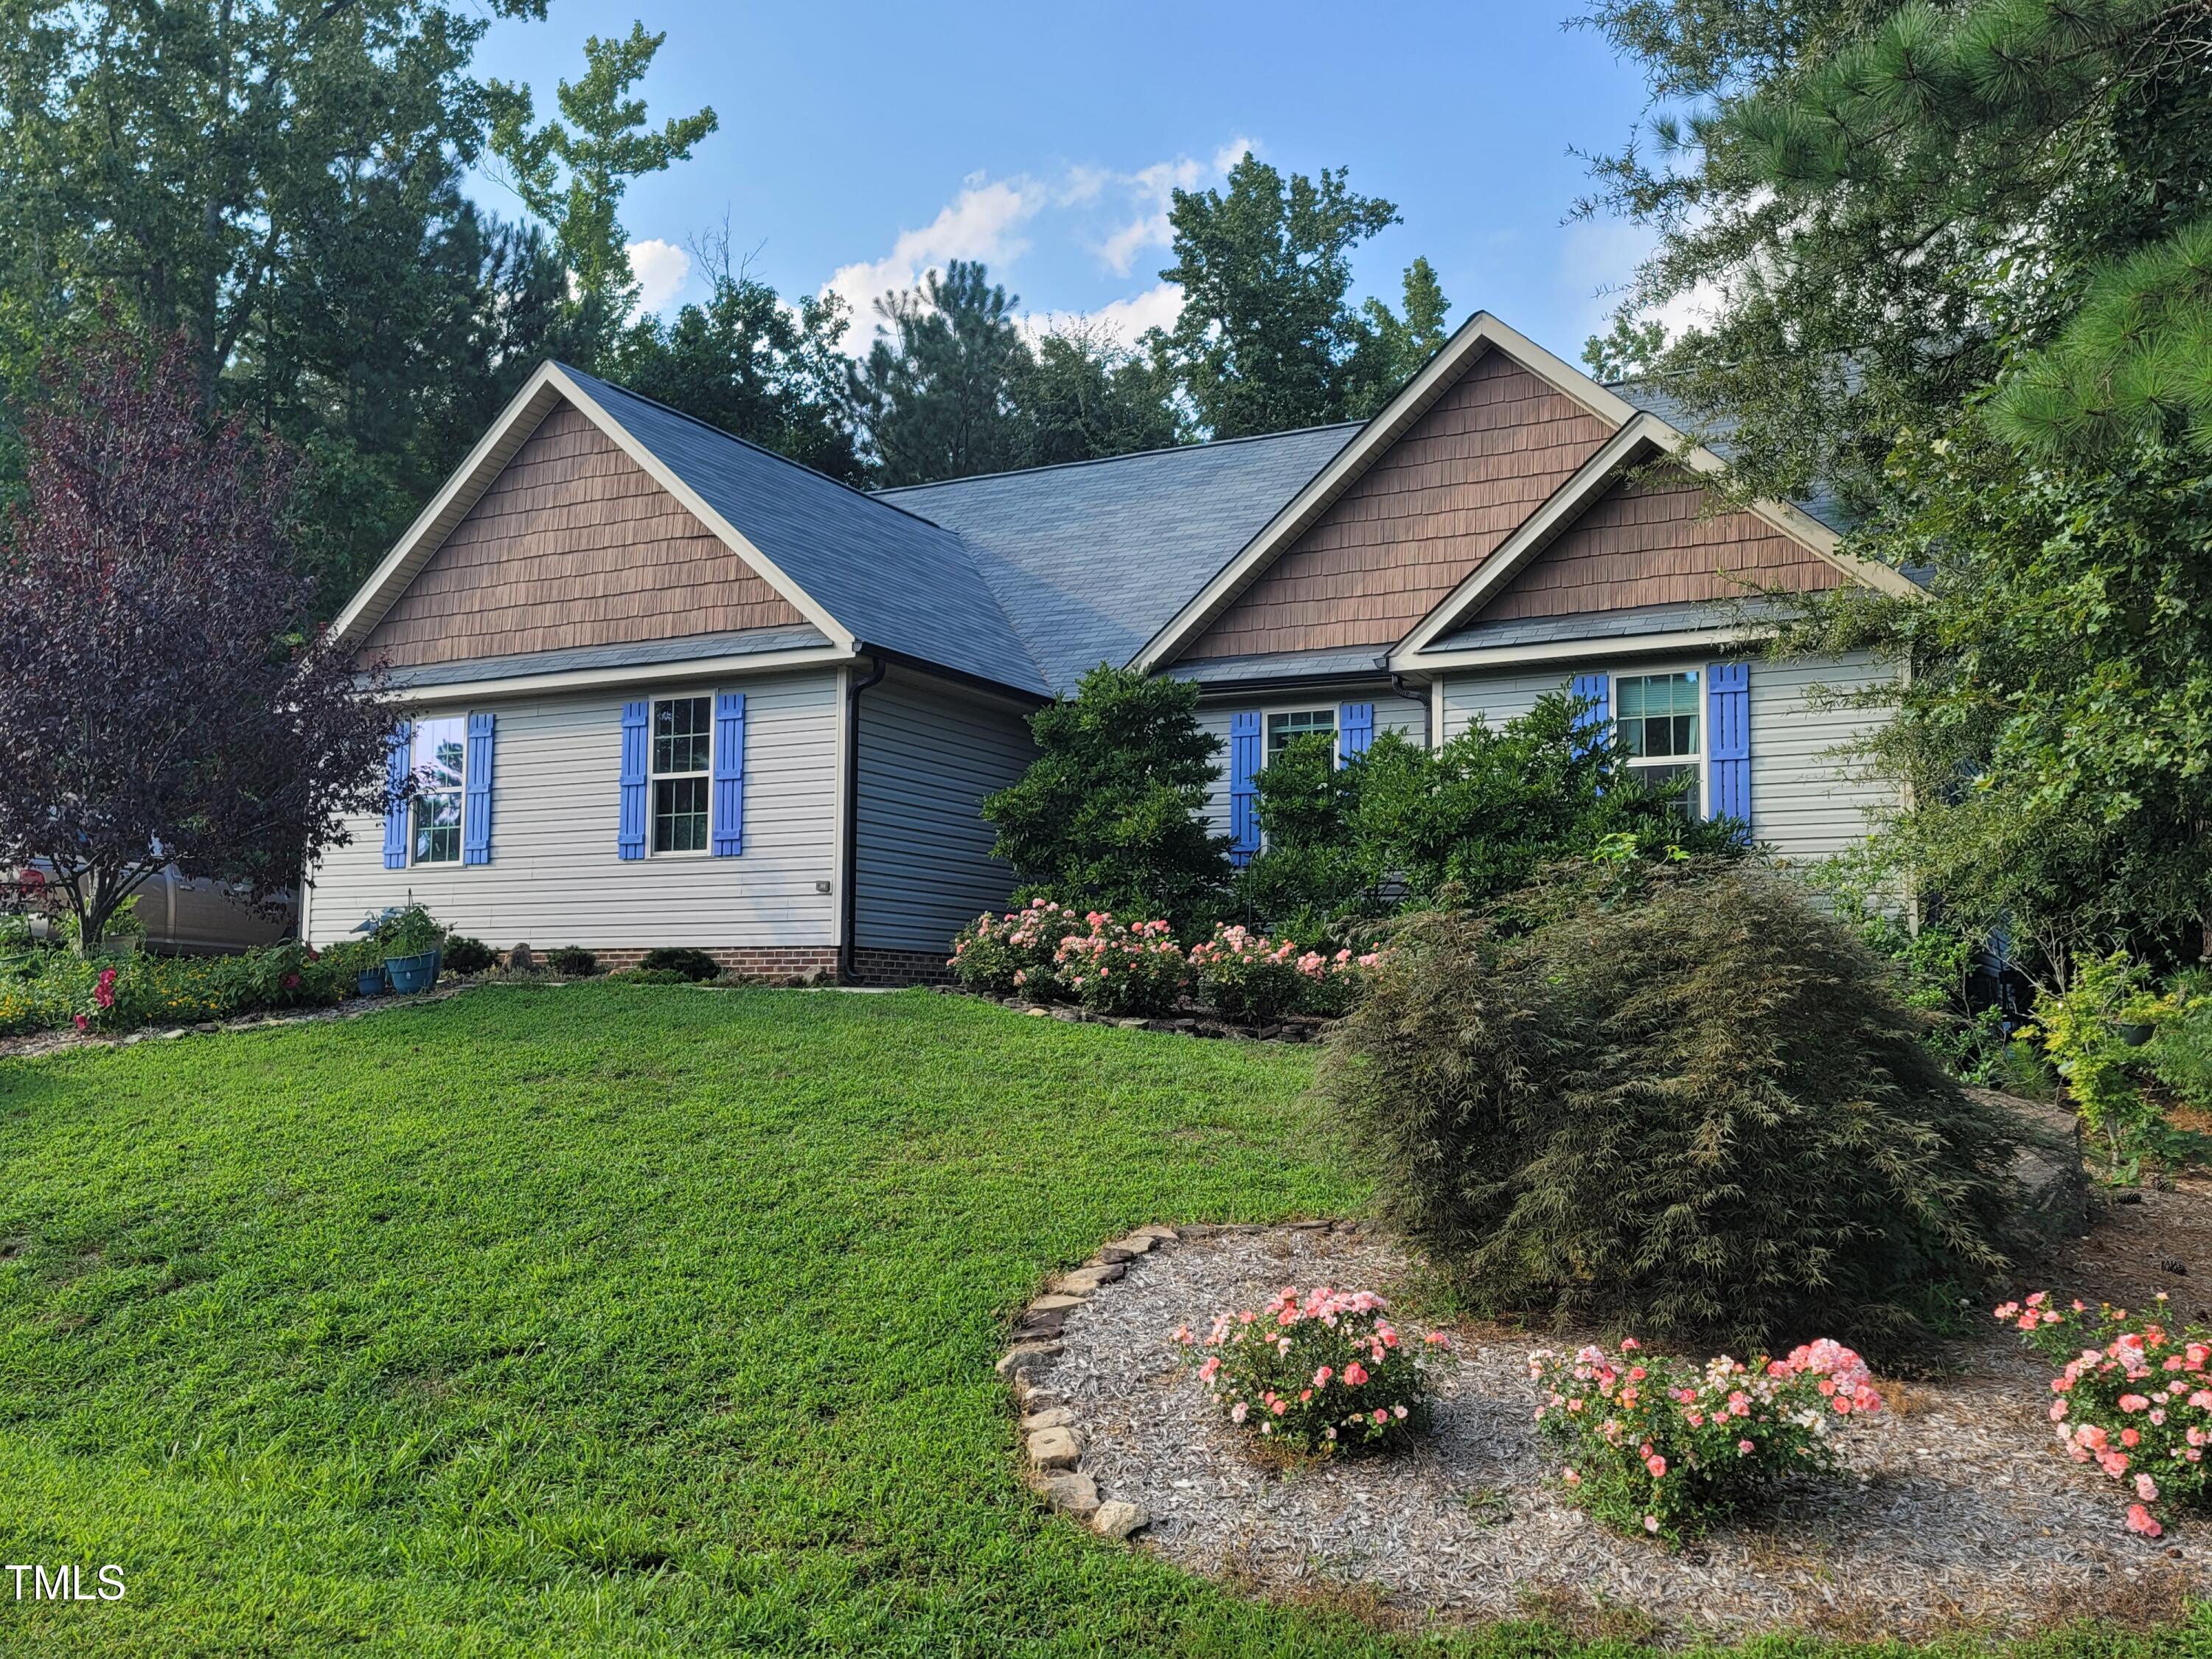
605, 1320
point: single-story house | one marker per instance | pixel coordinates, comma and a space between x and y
660, 686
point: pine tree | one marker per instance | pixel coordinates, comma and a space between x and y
935, 399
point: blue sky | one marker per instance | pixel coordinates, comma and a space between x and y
859, 143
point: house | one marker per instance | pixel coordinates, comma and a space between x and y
660, 686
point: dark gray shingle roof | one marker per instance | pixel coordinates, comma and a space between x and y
1625, 624
751, 642
1821, 504
898, 582
1090, 560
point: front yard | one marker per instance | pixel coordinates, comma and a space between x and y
607, 1318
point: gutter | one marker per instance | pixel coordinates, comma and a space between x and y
845, 972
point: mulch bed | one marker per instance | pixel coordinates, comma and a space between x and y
1956, 1511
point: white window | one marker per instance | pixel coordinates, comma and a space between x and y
439, 756
1283, 729
1655, 717
683, 767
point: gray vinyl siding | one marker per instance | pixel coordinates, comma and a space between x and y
928, 755
1392, 714
1808, 798
554, 877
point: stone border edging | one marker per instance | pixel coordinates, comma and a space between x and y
1052, 1443
1290, 1027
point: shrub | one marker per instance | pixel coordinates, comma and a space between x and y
2081, 1029
1664, 1447
1117, 968
1325, 1373
1690, 1104
469, 956
1114, 806
2133, 1398
1014, 953
1245, 976
60, 989
681, 960
572, 962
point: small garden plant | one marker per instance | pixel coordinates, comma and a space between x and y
1248, 975
2133, 1398
1116, 967
1660, 1446
1013, 954
1323, 1372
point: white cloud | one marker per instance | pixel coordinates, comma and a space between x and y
661, 269
980, 222
1123, 321
1598, 263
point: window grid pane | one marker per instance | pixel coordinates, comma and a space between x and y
438, 827
679, 815
1658, 716
683, 736
1284, 729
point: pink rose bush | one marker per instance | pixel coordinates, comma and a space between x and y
1013, 954
2132, 1396
1248, 975
1660, 1446
1123, 967
1322, 1371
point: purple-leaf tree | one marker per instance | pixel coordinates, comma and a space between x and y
160, 699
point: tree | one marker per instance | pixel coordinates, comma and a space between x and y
1080, 397
1885, 205
936, 399
572, 175
750, 364
1111, 813
156, 703
1267, 339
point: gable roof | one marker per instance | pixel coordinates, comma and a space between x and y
1091, 559
863, 571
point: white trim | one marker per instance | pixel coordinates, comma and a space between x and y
1481, 333
653, 703
655, 673
1501, 656
459, 859
545, 389
1698, 669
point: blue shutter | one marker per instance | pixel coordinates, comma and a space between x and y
1596, 690
1355, 730
728, 836
1243, 798
395, 808
476, 798
630, 842
1728, 732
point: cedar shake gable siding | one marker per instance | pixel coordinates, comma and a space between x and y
572, 545
1418, 522
1643, 543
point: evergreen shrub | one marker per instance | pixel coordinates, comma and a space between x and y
695, 965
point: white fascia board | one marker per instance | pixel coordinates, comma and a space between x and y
1437, 663
587, 679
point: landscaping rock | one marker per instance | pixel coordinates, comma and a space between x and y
1085, 1281
1052, 1303
1119, 1520
1114, 1254
1070, 1493
1039, 1013
1053, 1416
1039, 1328
1055, 1449
1035, 1399
1026, 1353
521, 960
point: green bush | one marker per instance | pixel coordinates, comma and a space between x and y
572, 962
681, 960
2180, 1055
468, 956
60, 989
1015, 953
411, 932
1679, 1100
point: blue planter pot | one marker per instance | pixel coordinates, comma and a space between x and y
410, 973
369, 982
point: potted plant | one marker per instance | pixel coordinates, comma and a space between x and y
410, 940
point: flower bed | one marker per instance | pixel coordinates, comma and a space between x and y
60, 990
1323, 1373
2132, 1398
1669, 1447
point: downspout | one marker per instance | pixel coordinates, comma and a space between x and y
1398, 687
846, 971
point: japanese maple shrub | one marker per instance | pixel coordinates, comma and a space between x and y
2132, 1396
1322, 1373
1661, 1446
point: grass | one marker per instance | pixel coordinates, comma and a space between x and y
610, 1319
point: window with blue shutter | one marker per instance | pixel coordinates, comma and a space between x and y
1243, 797
395, 805
476, 805
1355, 730
1729, 722
1595, 690
729, 832
629, 842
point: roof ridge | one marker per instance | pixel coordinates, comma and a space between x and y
1200, 447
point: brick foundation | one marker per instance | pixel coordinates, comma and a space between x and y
771, 962
874, 967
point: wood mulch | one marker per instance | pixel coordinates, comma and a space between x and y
1955, 1513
